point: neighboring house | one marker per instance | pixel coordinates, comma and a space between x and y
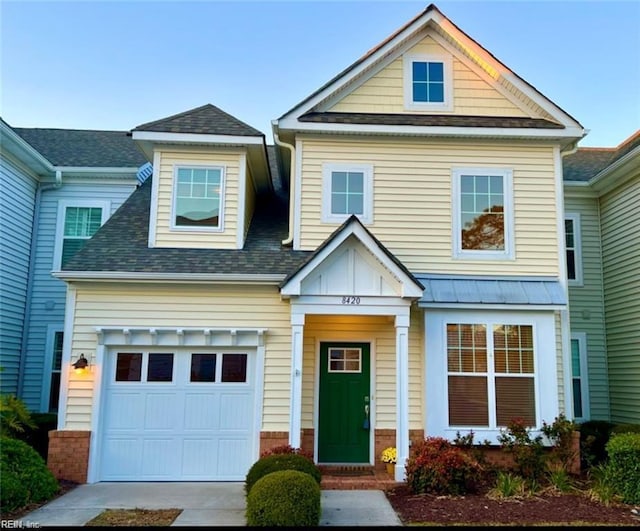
412, 282
602, 212
58, 187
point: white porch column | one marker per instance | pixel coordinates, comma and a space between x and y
295, 416
402, 393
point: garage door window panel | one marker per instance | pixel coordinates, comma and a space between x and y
234, 368
160, 368
203, 367
129, 367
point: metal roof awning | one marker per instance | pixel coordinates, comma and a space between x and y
455, 292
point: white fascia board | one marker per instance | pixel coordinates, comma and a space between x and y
578, 189
97, 169
14, 143
480, 306
293, 286
441, 131
620, 166
196, 138
292, 115
124, 276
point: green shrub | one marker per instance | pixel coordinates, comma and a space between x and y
528, 452
560, 435
38, 436
279, 462
437, 466
624, 465
594, 435
15, 416
286, 498
507, 486
25, 476
625, 428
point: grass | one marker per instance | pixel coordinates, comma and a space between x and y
134, 518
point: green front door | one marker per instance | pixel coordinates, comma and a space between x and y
343, 427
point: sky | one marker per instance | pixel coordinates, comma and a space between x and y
116, 64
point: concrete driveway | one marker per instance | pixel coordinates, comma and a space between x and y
202, 504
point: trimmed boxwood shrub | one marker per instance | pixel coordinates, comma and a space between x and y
285, 498
24, 474
624, 465
278, 462
625, 428
439, 467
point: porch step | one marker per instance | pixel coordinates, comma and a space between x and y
345, 477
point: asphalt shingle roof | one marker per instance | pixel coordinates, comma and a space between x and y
586, 163
121, 244
84, 148
428, 120
207, 120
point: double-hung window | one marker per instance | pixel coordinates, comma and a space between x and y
574, 254
347, 190
198, 198
77, 223
579, 380
482, 214
427, 82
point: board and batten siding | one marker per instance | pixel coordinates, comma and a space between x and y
184, 238
586, 302
380, 332
384, 92
49, 293
620, 221
118, 305
17, 203
412, 204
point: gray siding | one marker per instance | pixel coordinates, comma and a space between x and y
17, 202
49, 293
620, 217
586, 303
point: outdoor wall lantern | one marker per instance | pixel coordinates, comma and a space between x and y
81, 365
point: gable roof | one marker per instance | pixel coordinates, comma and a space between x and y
84, 148
206, 120
588, 162
352, 225
120, 247
391, 47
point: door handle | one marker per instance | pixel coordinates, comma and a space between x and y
366, 424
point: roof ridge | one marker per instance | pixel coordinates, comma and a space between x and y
173, 116
125, 131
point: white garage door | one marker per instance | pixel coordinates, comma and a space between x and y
178, 415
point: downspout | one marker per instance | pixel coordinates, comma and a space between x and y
30, 278
292, 174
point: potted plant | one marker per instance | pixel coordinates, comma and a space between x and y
389, 457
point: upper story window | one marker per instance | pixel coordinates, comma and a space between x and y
347, 189
482, 213
574, 254
77, 222
198, 198
428, 82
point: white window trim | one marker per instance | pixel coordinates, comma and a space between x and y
409, 104
577, 249
367, 202
509, 238
581, 337
182, 228
545, 362
63, 204
52, 329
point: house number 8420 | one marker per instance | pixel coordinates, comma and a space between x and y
350, 300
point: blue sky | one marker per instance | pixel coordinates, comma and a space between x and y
118, 64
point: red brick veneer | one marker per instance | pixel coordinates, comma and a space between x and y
68, 456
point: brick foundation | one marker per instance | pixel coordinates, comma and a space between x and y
68, 456
271, 439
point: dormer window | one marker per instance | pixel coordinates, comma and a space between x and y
427, 82
197, 203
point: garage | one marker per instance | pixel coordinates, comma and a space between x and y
178, 415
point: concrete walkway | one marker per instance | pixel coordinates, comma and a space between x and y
202, 504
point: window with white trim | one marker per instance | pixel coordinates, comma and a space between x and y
482, 213
77, 223
579, 380
428, 83
347, 189
573, 247
490, 373
198, 198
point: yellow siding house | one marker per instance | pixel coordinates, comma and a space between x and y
393, 267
